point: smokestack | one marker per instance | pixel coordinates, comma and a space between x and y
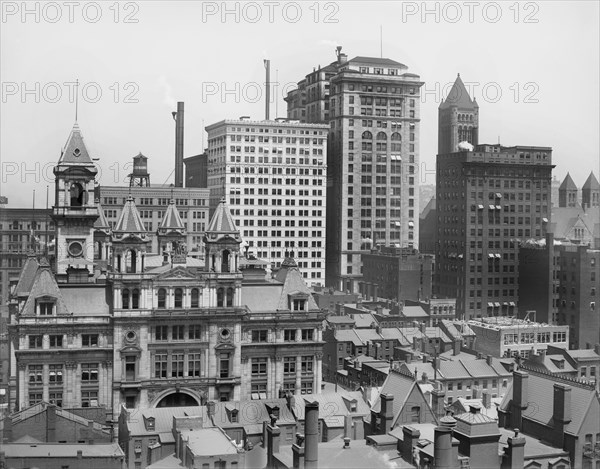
311, 426
442, 448
179, 145
267, 87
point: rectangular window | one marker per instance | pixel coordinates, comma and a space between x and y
35, 341
89, 398
46, 308
161, 333
289, 365
160, 365
177, 332
55, 375
55, 398
34, 398
56, 341
177, 365
289, 335
307, 364
259, 335
224, 365
194, 332
194, 363
89, 372
259, 367
306, 387
36, 374
307, 334
89, 340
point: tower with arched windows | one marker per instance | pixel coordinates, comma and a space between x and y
130, 240
458, 119
171, 236
74, 212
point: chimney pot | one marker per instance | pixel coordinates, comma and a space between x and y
346, 443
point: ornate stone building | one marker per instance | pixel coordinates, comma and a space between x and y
113, 323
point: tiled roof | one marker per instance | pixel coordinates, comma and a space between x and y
541, 393
27, 276
458, 96
591, 183
567, 184
130, 220
222, 221
171, 220
75, 151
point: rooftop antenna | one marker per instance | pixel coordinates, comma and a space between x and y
381, 40
276, 97
76, 98
46, 222
31, 233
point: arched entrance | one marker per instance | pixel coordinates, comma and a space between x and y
178, 399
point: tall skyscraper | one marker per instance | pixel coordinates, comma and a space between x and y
373, 109
273, 175
489, 198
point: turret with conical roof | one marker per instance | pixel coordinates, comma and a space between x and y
458, 119
130, 240
567, 193
172, 234
222, 241
590, 192
102, 235
74, 209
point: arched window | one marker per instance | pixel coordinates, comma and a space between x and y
366, 135
381, 136
396, 137
220, 294
195, 298
135, 299
225, 261
178, 298
131, 261
162, 298
125, 298
76, 195
230, 293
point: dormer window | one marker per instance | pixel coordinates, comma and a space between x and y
150, 424
234, 416
299, 305
45, 307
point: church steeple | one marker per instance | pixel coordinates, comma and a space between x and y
567, 193
590, 192
74, 210
458, 119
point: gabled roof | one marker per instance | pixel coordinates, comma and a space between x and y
171, 220
591, 183
130, 220
293, 284
27, 276
75, 151
459, 97
44, 285
541, 392
567, 184
399, 386
222, 221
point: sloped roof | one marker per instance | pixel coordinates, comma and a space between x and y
75, 151
101, 222
565, 218
541, 392
348, 335
222, 221
378, 61
27, 276
163, 418
397, 385
365, 319
44, 285
130, 220
567, 184
458, 96
293, 284
171, 220
591, 183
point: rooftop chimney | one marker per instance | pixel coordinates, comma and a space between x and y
386, 413
561, 410
179, 145
514, 453
51, 423
442, 449
311, 430
410, 437
520, 397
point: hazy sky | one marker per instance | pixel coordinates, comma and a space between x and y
533, 66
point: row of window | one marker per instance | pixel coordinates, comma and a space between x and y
450, 385
57, 340
289, 335
533, 337
88, 373
89, 398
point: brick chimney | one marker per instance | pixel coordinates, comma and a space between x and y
456, 346
514, 453
437, 402
298, 452
273, 436
520, 399
311, 430
475, 392
410, 436
50, 423
444, 449
386, 413
561, 410
489, 360
486, 399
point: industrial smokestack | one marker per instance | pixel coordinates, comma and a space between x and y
311, 430
179, 145
267, 88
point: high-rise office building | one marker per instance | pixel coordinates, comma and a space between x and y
373, 108
273, 175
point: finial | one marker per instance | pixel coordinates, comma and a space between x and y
76, 98
458, 75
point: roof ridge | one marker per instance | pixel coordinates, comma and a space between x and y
567, 379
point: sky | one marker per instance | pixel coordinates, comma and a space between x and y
532, 66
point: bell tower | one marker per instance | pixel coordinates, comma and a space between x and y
74, 211
458, 119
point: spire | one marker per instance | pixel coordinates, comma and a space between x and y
75, 151
459, 97
591, 183
222, 222
171, 221
101, 223
130, 221
567, 184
